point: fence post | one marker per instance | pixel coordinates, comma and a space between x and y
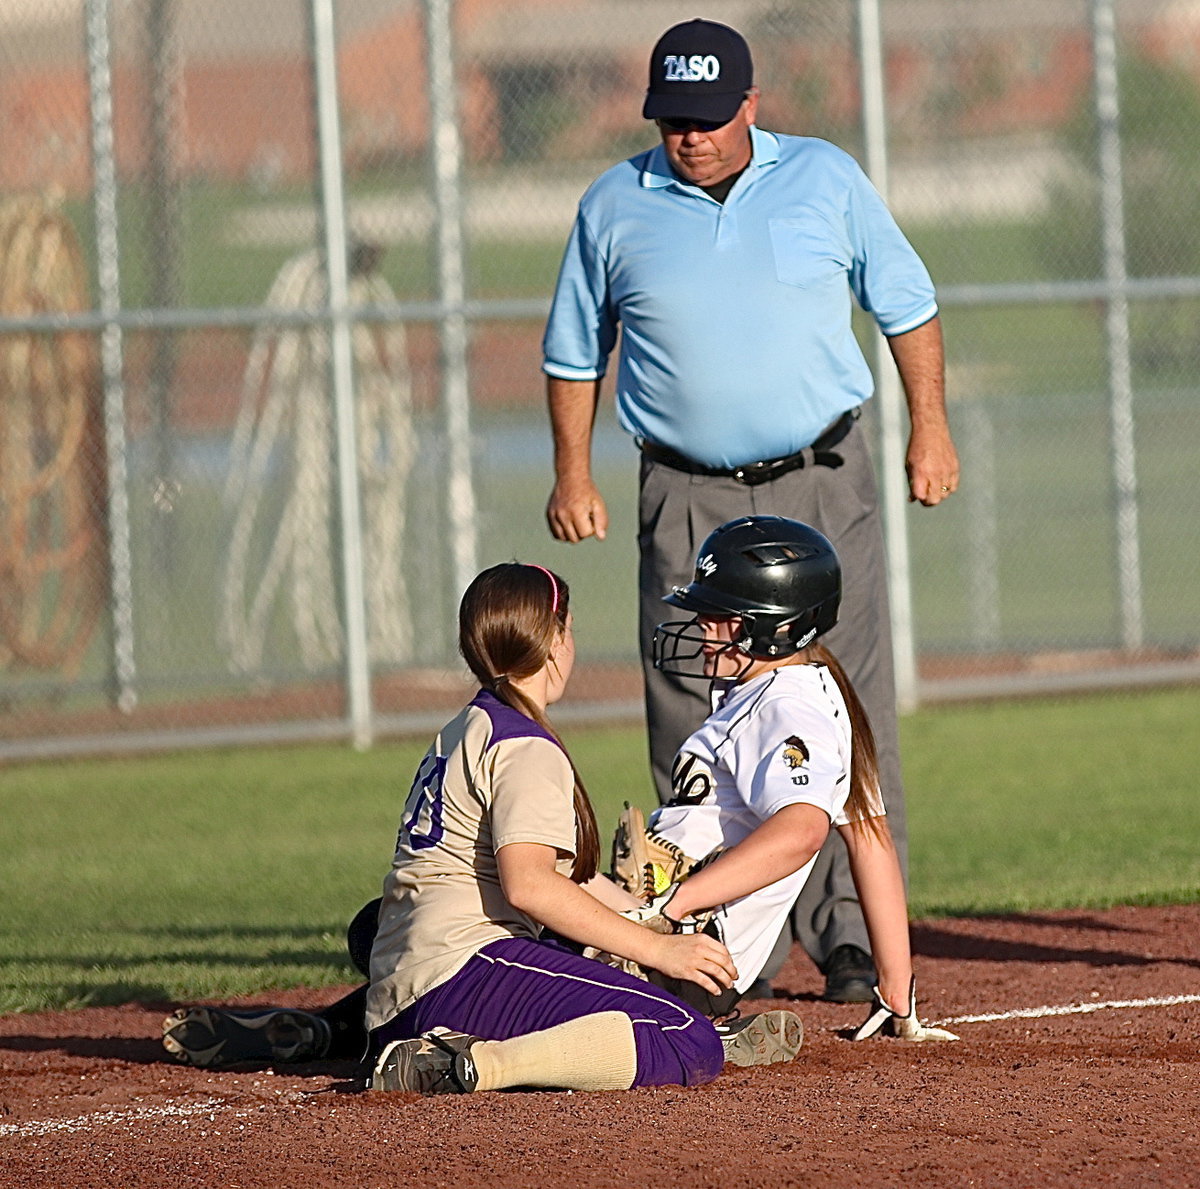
163, 245
983, 531
445, 150
891, 430
1116, 324
112, 352
333, 225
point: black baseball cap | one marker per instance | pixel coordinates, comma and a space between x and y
699, 70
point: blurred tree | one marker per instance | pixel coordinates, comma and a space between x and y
1160, 139
805, 64
535, 102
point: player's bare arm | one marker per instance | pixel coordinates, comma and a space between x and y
880, 886
576, 509
777, 848
876, 870
532, 885
932, 461
607, 892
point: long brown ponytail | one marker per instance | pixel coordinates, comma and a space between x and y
862, 804
508, 621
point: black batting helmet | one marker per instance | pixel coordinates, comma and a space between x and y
780, 577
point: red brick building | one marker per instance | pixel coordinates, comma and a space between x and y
536, 75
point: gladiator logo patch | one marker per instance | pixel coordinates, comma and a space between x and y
706, 565
694, 68
795, 752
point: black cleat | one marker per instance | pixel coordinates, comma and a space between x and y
217, 1038
850, 976
437, 1063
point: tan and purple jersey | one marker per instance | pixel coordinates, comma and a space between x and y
492, 777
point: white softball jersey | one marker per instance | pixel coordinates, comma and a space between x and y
491, 777
781, 738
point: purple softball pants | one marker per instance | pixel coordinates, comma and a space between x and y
516, 986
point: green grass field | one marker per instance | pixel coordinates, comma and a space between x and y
220, 873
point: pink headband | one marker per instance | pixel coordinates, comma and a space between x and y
553, 584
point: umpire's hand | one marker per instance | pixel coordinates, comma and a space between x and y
576, 510
932, 465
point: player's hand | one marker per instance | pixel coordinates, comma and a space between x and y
696, 957
652, 914
932, 466
576, 510
902, 1024
701, 958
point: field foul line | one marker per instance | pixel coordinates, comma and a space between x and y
1072, 1009
169, 1110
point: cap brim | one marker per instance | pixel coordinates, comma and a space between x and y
692, 598
712, 109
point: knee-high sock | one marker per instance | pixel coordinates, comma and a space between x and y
595, 1052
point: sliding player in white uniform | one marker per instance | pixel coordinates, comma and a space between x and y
786, 755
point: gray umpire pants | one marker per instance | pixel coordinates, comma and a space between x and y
676, 512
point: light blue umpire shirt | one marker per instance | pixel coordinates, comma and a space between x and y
736, 341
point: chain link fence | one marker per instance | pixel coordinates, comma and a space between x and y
272, 283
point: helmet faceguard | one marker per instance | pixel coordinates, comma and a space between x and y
678, 648
779, 577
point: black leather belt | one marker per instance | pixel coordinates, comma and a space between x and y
754, 473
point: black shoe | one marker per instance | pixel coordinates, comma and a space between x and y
850, 976
437, 1063
216, 1038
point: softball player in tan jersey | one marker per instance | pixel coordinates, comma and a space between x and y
498, 841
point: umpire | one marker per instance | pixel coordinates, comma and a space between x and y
729, 257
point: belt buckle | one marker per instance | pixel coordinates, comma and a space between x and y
755, 473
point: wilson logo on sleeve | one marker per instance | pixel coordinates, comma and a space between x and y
795, 755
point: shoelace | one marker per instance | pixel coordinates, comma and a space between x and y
461, 1081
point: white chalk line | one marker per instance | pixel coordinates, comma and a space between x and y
1071, 1009
167, 1110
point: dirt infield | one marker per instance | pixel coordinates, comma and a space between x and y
1089, 1077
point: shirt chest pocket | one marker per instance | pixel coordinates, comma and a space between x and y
806, 252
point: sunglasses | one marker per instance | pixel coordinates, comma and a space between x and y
690, 125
